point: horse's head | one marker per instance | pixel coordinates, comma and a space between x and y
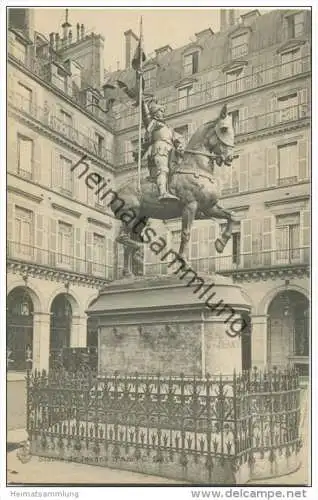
219, 138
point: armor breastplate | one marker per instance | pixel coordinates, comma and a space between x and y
162, 134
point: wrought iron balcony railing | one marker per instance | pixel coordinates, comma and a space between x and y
252, 124
210, 92
48, 119
58, 261
244, 261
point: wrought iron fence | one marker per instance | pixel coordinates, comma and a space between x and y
57, 260
201, 430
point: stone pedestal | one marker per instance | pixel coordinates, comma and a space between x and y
169, 325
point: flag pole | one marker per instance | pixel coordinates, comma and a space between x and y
140, 102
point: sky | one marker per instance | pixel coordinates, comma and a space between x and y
160, 26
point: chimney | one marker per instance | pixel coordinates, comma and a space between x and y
66, 25
77, 32
52, 40
82, 31
130, 47
228, 17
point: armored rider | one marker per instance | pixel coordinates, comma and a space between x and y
159, 142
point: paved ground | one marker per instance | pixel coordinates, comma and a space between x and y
47, 472
16, 404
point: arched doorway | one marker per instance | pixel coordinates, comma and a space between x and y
19, 329
288, 330
61, 322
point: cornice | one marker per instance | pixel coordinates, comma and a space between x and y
56, 275
97, 222
264, 274
235, 65
30, 196
241, 29
185, 82
293, 44
195, 46
66, 210
284, 201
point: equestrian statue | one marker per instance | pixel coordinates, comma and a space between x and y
180, 184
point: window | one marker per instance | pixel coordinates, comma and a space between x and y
184, 98
100, 200
65, 243
288, 107
235, 120
24, 98
296, 25
287, 238
234, 82
239, 46
66, 121
99, 144
25, 157
288, 165
229, 180
291, 63
149, 77
191, 63
99, 254
66, 175
236, 243
202, 248
24, 231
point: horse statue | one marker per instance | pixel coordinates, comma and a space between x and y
195, 192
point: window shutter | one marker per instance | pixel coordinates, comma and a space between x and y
90, 195
305, 234
247, 242
40, 252
192, 128
56, 181
10, 215
244, 160
303, 160
303, 103
243, 120
12, 149
78, 250
37, 160
268, 240
128, 149
271, 166
52, 242
89, 252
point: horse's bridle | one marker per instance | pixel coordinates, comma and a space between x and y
207, 155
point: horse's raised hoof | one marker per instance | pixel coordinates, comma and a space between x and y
219, 245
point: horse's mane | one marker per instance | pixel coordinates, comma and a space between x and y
199, 134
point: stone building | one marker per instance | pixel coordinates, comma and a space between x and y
260, 66
61, 236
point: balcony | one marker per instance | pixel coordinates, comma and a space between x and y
209, 93
46, 118
31, 255
271, 261
254, 124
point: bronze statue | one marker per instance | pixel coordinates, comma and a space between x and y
192, 183
160, 142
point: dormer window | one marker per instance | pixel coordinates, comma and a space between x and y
239, 45
296, 24
149, 77
191, 63
291, 63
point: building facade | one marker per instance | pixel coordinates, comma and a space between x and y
61, 246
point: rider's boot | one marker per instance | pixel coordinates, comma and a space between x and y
162, 186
